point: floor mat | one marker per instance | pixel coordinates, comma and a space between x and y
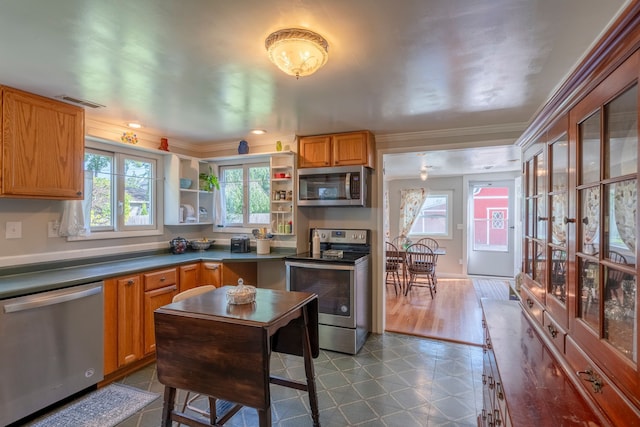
105, 407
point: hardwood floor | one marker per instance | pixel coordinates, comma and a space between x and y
454, 313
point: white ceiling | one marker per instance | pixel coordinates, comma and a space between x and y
197, 70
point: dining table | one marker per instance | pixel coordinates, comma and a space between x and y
209, 346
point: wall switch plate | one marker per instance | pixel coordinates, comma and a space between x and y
53, 228
14, 230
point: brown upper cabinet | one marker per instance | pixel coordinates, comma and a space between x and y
341, 149
42, 143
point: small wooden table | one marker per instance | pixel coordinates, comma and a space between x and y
221, 350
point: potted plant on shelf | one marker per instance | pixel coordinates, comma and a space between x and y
209, 181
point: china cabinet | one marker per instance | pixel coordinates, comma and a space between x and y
185, 200
342, 149
579, 282
282, 190
41, 148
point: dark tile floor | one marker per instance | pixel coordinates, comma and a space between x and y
394, 381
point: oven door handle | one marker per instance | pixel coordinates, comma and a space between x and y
325, 265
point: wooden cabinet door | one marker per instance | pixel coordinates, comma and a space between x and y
110, 295
211, 274
153, 300
189, 276
42, 147
351, 149
129, 319
314, 151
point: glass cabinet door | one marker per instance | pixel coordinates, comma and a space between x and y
605, 308
559, 200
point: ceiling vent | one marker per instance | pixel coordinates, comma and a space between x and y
82, 102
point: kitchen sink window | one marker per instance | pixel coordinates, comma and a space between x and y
246, 193
123, 193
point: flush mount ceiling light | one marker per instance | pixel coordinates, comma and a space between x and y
423, 173
134, 125
296, 51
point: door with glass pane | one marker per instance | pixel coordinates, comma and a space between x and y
604, 304
491, 235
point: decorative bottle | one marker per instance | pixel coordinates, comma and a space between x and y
315, 245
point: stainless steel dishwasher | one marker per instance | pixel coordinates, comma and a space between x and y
51, 346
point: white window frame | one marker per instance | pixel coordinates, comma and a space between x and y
120, 230
448, 235
245, 193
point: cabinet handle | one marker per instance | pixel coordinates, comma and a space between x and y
553, 331
78, 193
529, 303
484, 379
499, 391
496, 416
162, 279
484, 414
130, 282
492, 383
569, 220
593, 378
543, 218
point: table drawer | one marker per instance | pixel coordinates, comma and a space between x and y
160, 279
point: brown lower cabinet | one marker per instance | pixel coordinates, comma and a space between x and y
129, 301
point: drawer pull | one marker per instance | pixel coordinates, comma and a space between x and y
569, 220
593, 378
543, 218
553, 331
130, 282
529, 303
162, 279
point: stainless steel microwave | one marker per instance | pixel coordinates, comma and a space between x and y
334, 186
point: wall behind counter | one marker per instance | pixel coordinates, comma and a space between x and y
35, 246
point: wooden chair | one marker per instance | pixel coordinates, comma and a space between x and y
420, 262
434, 246
558, 273
189, 399
399, 241
393, 266
615, 277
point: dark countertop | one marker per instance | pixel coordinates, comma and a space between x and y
34, 278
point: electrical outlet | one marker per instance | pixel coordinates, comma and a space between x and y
52, 228
13, 230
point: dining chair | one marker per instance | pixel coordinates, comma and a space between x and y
400, 241
190, 399
615, 277
420, 263
393, 265
558, 272
434, 246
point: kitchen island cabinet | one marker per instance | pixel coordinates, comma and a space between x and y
41, 148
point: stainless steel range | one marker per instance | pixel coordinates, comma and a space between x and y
341, 278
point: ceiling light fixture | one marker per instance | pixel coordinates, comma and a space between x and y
423, 173
134, 125
296, 51
258, 131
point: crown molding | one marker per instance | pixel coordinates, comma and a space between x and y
440, 134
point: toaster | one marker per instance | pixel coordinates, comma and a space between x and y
240, 244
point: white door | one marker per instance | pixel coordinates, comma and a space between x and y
491, 229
